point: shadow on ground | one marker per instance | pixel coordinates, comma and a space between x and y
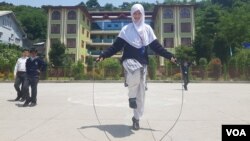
11, 100
117, 131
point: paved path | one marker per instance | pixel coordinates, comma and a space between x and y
65, 112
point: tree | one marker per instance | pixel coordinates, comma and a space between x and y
35, 25
81, 4
33, 20
193, 1
169, 1
8, 57
221, 49
148, 6
152, 67
125, 6
108, 7
4, 5
112, 68
185, 53
235, 25
202, 67
92, 4
214, 68
203, 47
78, 70
224, 3
208, 17
57, 54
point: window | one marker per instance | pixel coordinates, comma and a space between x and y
109, 36
185, 12
53, 41
168, 13
71, 15
96, 26
72, 57
88, 22
71, 28
56, 15
122, 16
4, 23
186, 41
108, 26
185, 27
168, 27
83, 30
11, 38
112, 25
7, 22
168, 42
71, 42
55, 28
17, 40
82, 44
88, 34
83, 17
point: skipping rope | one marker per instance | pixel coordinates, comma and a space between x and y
98, 119
93, 100
182, 99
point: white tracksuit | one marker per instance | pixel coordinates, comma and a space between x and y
136, 80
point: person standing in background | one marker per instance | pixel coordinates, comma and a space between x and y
34, 65
185, 72
20, 74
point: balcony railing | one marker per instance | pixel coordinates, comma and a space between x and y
102, 40
98, 52
94, 52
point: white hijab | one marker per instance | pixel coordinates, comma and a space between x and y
137, 34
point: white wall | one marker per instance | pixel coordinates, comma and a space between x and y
10, 32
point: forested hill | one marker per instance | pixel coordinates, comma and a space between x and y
33, 20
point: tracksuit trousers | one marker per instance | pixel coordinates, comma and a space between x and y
136, 81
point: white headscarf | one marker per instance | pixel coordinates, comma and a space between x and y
137, 34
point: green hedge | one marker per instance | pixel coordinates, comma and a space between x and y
110, 68
152, 67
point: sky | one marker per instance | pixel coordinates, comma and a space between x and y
39, 3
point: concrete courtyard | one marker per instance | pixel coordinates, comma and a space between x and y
65, 112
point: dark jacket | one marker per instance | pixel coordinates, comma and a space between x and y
130, 52
34, 66
185, 66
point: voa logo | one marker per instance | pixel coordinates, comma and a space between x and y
236, 132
